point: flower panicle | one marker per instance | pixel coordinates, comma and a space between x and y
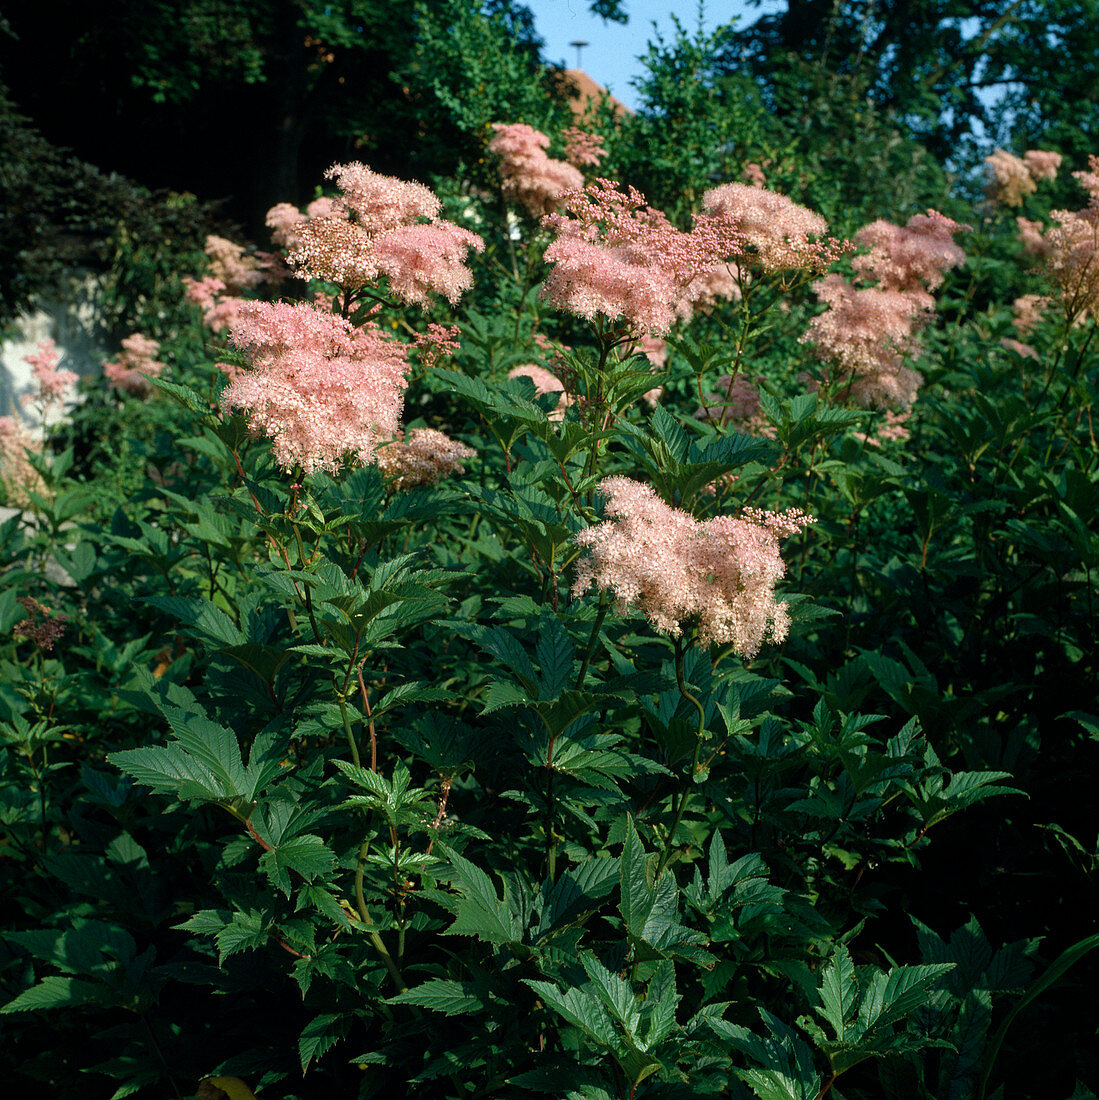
718, 574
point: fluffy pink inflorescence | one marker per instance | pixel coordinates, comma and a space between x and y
231, 264
1042, 164
912, 258
43, 627
1009, 180
326, 207
777, 229
379, 202
203, 292
53, 385
892, 430
616, 258
421, 260
755, 174
866, 334
17, 476
583, 149
380, 234
223, 314
1033, 238
436, 343
283, 220
318, 387
1073, 261
422, 456
719, 283
1028, 312
1089, 180
719, 574
138, 359
544, 382
529, 177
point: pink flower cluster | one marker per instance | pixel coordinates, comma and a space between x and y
1012, 178
378, 232
17, 476
780, 234
618, 259
422, 456
1072, 264
438, 341
867, 333
737, 402
219, 309
892, 429
1042, 163
137, 360
755, 174
318, 387
43, 627
232, 264
54, 386
534, 180
1033, 238
284, 219
544, 382
1028, 312
911, 259
583, 149
719, 574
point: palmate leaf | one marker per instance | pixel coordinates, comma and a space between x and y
884, 1000
204, 762
784, 1068
650, 909
581, 1009
170, 770
575, 894
479, 911
306, 854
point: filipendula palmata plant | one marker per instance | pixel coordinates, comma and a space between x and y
495, 770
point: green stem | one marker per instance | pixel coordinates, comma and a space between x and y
364, 916
347, 730
551, 815
604, 607
665, 855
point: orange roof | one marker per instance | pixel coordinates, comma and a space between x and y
581, 90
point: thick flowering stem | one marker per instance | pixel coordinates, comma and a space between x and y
551, 814
364, 916
593, 640
687, 694
347, 730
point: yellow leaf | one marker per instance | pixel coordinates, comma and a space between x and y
233, 1087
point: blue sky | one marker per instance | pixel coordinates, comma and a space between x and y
611, 56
